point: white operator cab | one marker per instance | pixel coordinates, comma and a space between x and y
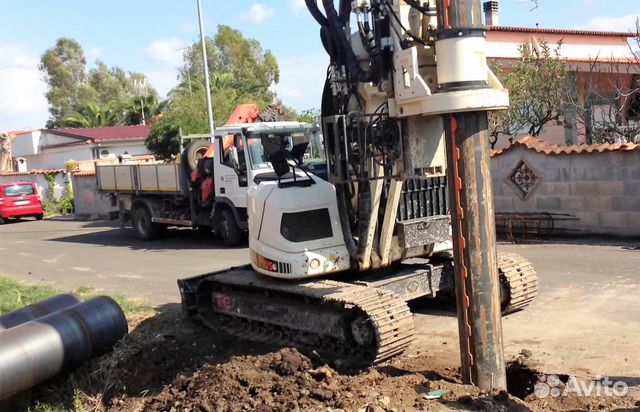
294, 226
244, 161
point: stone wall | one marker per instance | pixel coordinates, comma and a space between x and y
88, 202
601, 189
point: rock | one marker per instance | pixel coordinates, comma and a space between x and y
322, 394
294, 406
322, 373
526, 353
385, 400
206, 406
372, 407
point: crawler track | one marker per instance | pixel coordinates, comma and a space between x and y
358, 324
338, 320
519, 282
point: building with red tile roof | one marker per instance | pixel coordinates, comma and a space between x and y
600, 61
51, 148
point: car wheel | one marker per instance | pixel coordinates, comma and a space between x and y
39, 216
2, 220
229, 229
144, 226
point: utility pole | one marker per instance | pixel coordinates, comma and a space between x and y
477, 283
205, 65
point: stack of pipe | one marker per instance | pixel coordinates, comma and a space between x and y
58, 334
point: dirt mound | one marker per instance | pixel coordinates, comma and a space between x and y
286, 380
167, 363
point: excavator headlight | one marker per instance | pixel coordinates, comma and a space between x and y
314, 264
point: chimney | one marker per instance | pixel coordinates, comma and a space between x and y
491, 13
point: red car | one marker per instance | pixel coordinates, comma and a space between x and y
19, 199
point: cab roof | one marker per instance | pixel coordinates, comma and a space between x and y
260, 126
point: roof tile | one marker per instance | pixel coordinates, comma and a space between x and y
542, 146
85, 173
104, 134
561, 31
34, 172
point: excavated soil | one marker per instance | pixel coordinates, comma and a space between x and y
169, 364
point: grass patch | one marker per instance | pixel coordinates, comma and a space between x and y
15, 294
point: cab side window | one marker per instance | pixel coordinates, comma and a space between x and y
229, 152
231, 147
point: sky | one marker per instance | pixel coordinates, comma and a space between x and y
148, 36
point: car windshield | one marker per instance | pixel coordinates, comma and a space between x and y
18, 190
287, 140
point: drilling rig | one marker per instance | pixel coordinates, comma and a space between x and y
334, 262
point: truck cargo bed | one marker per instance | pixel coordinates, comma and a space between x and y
165, 178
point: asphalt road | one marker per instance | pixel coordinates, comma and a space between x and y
70, 254
586, 319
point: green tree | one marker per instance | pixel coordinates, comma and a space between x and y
150, 104
240, 62
537, 92
94, 115
63, 66
309, 116
240, 72
75, 94
110, 84
186, 110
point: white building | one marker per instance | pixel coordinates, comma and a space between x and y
51, 148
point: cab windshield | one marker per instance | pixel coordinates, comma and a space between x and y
259, 157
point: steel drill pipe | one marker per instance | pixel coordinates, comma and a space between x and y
37, 310
477, 281
35, 351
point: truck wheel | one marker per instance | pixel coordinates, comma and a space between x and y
194, 152
145, 228
228, 229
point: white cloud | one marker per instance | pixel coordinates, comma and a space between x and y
163, 80
166, 51
302, 80
95, 52
298, 6
613, 23
22, 91
189, 27
258, 13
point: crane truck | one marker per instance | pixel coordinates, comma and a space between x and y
334, 262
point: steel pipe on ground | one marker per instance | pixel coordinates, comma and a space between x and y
38, 310
35, 351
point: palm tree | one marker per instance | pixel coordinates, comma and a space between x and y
94, 115
134, 108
